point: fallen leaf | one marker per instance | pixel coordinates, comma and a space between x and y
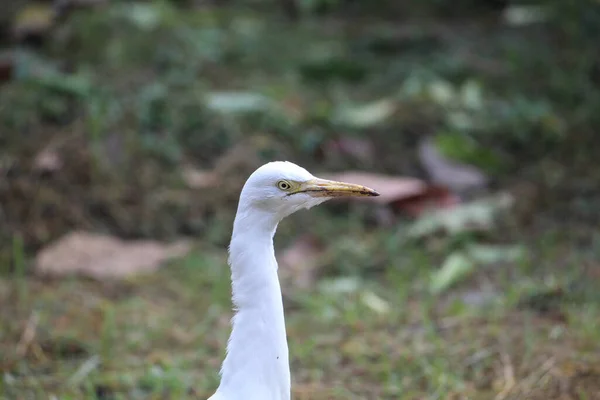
475, 216
454, 175
410, 195
301, 261
104, 257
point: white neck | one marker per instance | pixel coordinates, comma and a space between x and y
256, 365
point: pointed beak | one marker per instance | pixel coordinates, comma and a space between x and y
324, 188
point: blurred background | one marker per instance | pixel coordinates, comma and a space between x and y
128, 128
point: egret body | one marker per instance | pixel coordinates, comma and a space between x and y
256, 366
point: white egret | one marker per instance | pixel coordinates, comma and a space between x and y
256, 366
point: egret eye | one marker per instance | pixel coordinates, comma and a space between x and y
283, 185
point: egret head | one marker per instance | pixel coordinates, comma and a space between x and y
282, 188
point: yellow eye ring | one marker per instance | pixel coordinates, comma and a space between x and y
283, 185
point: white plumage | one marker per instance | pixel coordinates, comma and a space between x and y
256, 366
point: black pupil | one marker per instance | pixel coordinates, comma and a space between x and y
284, 185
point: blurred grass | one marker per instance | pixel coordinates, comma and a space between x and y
128, 93
163, 335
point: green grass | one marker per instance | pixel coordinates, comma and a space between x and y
163, 336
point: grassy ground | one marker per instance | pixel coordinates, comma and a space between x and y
129, 94
511, 332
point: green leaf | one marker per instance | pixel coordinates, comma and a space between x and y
366, 115
492, 254
454, 269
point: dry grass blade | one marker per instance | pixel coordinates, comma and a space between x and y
509, 377
28, 335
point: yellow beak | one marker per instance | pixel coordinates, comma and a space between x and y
325, 188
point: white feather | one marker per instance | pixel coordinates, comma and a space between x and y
256, 366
